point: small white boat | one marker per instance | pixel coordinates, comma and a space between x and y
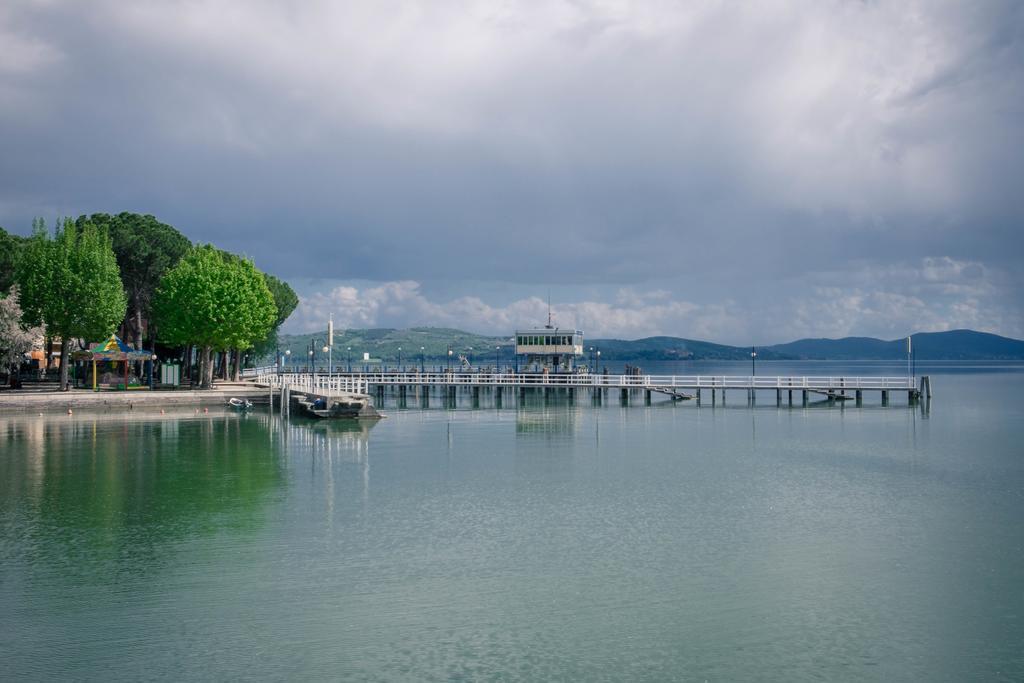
239, 403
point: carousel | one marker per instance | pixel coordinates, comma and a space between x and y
114, 365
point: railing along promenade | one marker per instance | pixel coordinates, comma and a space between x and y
363, 382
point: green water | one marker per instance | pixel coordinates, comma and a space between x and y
536, 542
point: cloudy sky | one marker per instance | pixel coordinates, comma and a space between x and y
743, 173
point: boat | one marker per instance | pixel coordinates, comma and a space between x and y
240, 403
345, 406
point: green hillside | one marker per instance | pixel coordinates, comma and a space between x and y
951, 345
433, 343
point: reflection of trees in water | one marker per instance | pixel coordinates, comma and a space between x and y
101, 490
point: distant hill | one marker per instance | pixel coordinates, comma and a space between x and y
951, 345
677, 348
433, 344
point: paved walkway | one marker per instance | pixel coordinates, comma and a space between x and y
15, 401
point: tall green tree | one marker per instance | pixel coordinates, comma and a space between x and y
285, 300
70, 283
10, 246
215, 301
145, 249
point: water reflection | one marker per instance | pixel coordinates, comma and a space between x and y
117, 490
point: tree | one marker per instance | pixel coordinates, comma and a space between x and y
10, 246
215, 301
285, 300
145, 249
15, 338
70, 284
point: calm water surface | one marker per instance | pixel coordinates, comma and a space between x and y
536, 542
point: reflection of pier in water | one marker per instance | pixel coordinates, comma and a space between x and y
329, 445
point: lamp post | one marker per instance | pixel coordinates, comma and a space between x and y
497, 359
348, 350
449, 358
399, 358
327, 349
599, 358
422, 366
311, 368
287, 353
753, 362
277, 358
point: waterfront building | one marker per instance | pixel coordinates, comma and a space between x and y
549, 349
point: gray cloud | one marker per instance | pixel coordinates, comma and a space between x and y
733, 156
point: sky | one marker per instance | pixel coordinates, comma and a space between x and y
736, 172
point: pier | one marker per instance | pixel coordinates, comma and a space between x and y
698, 388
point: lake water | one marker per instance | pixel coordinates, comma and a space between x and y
536, 542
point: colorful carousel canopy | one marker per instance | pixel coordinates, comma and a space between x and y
112, 349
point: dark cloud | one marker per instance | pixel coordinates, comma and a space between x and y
698, 149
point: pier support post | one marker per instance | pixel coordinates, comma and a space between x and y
804, 398
647, 397
859, 396
497, 397
790, 397
697, 396
624, 396
714, 396
885, 397
778, 397
425, 396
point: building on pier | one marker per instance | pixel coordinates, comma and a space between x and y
549, 349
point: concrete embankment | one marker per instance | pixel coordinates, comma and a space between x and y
81, 399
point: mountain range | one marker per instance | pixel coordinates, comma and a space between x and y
432, 344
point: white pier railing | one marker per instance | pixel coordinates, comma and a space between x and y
361, 382
322, 384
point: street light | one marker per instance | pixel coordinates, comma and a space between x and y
449, 358
311, 357
753, 362
497, 362
399, 358
599, 358
349, 350
422, 350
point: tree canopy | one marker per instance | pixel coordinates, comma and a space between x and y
10, 246
70, 283
285, 300
145, 250
214, 300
